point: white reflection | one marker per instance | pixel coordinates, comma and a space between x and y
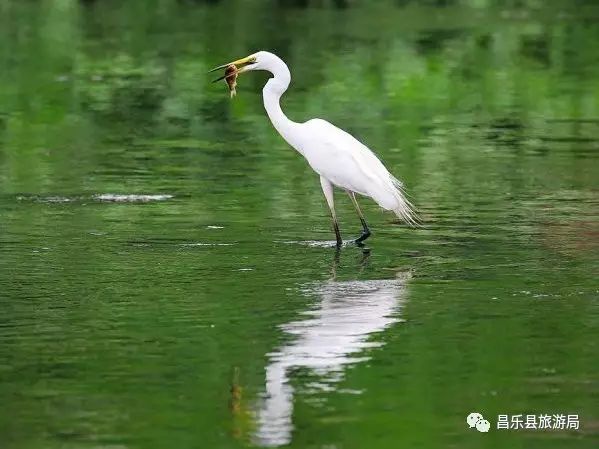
329, 338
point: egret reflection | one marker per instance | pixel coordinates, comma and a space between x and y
330, 337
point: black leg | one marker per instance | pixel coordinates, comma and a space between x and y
365, 231
327, 189
337, 233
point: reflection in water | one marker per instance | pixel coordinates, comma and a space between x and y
329, 338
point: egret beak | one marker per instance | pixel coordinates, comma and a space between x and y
241, 65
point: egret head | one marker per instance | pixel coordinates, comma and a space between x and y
252, 62
261, 60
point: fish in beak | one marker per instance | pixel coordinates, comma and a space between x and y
232, 71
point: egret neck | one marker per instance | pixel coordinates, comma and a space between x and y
271, 94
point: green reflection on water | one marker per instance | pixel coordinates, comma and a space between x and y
159, 322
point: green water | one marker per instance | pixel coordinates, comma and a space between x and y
210, 311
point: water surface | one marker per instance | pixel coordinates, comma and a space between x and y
166, 273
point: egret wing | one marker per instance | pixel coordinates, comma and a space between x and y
349, 164
344, 160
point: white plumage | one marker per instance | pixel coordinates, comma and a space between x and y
338, 157
347, 163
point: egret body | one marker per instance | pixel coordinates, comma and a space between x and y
338, 157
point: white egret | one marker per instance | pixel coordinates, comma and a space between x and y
338, 157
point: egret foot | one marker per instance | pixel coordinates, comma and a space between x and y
365, 232
364, 236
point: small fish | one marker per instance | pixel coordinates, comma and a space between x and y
231, 78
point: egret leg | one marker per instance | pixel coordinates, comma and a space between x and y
365, 231
327, 189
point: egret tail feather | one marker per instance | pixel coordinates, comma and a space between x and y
405, 210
